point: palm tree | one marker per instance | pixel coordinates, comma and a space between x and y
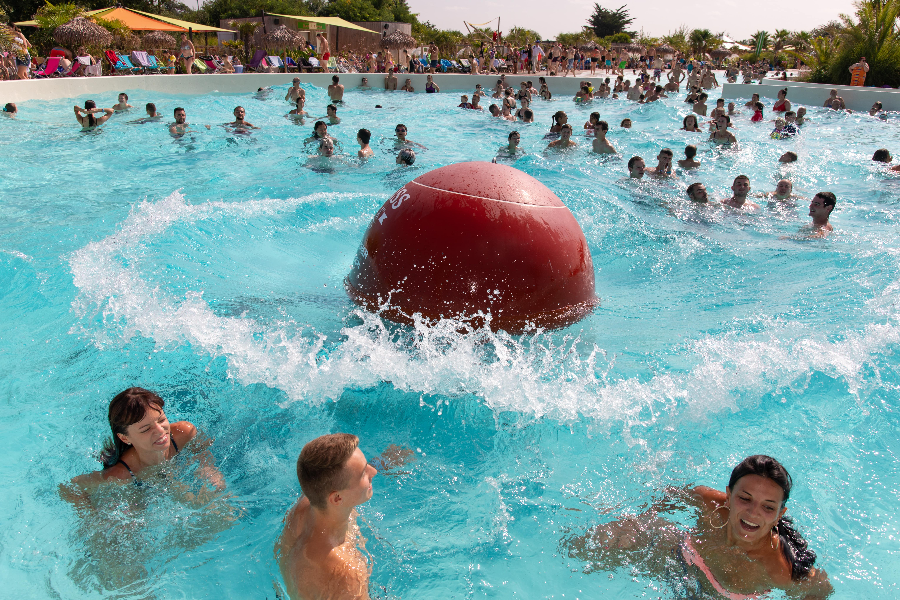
874, 35
678, 39
702, 41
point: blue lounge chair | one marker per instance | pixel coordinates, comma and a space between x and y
445, 64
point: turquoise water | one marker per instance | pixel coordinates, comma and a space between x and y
210, 269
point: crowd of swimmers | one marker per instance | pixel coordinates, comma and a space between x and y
508, 102
742, 544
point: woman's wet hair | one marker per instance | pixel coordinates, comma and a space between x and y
684, 121
89, 104
793, 546
760, 106
126, 409
783, 91
557, 116
882, 155
316, 128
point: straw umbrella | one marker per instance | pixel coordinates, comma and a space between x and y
157, 40
719, 53
81, 32
398, 41
665, 50
282, 38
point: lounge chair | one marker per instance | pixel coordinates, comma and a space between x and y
50, 68
445, 65
140, 58
212, 65
127, 62
315, 64
201, 66
456, 66
466, 65
117, 65
258, 56
332, 64
156, 64
291, 64
276, 62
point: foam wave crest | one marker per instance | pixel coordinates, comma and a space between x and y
540, 374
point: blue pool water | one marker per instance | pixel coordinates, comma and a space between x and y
210, 269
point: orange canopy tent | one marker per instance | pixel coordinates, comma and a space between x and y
137, 22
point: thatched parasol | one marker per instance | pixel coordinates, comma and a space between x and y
282, 37
398, 41
588, 46
665, 49
81, 32
719, 53
631, 48
157, 40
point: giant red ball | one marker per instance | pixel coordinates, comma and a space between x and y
472, 239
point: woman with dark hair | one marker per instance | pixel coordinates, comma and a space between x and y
142, 438
782, 104
741, 546
85, 116
689, 123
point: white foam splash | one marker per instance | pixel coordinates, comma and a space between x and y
537, 374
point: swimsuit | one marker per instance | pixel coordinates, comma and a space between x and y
429, 89
184, 50
691, 557
757, 117
137, 481
780, 106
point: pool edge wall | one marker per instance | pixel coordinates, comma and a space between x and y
814, 94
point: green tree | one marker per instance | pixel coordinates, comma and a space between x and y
606, 22
49, 17
519, 36
678, 39
576, 39
873, 34
702, 41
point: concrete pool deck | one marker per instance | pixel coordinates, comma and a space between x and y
799, 93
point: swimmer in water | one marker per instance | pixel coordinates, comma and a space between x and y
320, 551
122, 105
740, 189
820, 210
801, 115
365, 84
601, 145
331, 111
326, 147
559, 119
464, 102
754, 99
783, 195
362, 137
142, 439
406, 157
512, 148
720, 134
591, 124
875, 110
688, 162
152, 115
636, 167
697, 193
563, 142
741, 545
336, 90
320, 131
239, 124
390, 81
85, 116
180, 126
788, 157
407, 86
10, 110
401, 141
689, 123
526, 103
298, 112
474, 105
294, 92
663, 166
626, 124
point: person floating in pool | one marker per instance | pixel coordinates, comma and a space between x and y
336, 90
742, 545
362, 137
820, 210
294, 92
401, 141
142, 440
740, 188
85, 116
239, 125
564, 141
601, 145
320, 549
180, 126
122, 105
720, 133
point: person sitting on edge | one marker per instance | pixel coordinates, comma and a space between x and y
180, 126
788, 157
688, 162
10, 110
85, 116
336, 89
602, 145
142, 439
390, 81
407, 86
663, 166
564, 141
122, 104
820, 210
319, 551
464, 102
697, 193
720, 133
239, 122
406, 157
689, 123
294, 92
636, 167
740, 188
740, 546
362, 137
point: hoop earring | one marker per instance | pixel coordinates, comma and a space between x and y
710, 519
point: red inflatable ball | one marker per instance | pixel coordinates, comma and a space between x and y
470, 239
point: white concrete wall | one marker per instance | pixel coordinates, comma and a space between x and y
814, 94
70, 87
